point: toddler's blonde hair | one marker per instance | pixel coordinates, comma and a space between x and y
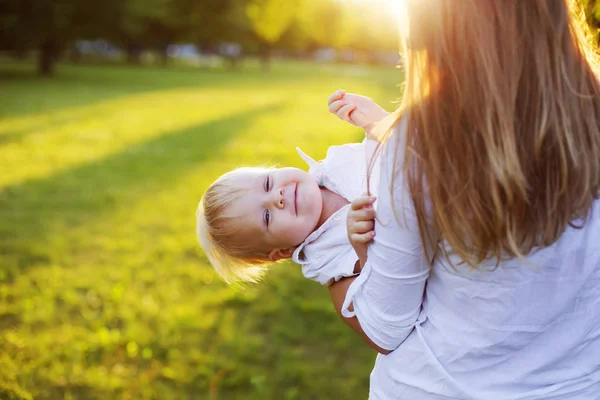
216, 228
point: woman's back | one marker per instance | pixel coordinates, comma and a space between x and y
525, 329
504, 151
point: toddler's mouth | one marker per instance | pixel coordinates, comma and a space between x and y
296, 200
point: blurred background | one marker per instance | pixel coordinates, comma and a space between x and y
114, 118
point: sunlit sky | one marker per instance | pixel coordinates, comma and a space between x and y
395, 5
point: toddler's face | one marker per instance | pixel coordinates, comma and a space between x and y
280, 209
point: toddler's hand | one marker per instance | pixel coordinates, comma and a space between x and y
360, 223
358, 110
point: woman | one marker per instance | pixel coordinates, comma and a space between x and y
483, 281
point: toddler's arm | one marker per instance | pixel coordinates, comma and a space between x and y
357, 110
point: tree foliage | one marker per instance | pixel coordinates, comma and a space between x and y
269, 19
52, 26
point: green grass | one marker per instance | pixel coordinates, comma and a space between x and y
104, 292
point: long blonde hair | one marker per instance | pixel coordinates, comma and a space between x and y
503, 112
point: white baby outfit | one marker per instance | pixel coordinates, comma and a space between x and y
326, 254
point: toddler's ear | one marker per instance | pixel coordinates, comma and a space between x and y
280, 254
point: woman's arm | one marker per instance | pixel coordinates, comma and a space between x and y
337, 291
385, 299
360, 226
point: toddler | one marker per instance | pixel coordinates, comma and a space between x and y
251, 217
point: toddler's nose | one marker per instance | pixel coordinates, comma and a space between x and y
279, 201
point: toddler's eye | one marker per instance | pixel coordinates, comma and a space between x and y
267, 217
267, 185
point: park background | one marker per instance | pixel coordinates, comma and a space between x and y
114, 119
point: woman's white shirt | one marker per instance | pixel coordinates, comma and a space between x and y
527, 329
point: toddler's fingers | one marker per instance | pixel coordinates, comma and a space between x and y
362, 226
364, 214
338, 94
344, 112
336, 106
362, 237
361, 202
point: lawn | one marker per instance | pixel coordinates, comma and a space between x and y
104, 292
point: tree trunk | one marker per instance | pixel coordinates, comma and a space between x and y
19, 54
133, 54
234, 62
47, 57
75, 55
164, 55
265, 57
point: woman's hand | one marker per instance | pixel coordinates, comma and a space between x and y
360, 223
357, 110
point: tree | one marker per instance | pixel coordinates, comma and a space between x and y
214, 21
327, 22
592, 14
43, 24
269, 19
158, 23
143, 23
51, 25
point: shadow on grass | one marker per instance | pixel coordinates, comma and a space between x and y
14, 130
35, 210
13, 137
25, 93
